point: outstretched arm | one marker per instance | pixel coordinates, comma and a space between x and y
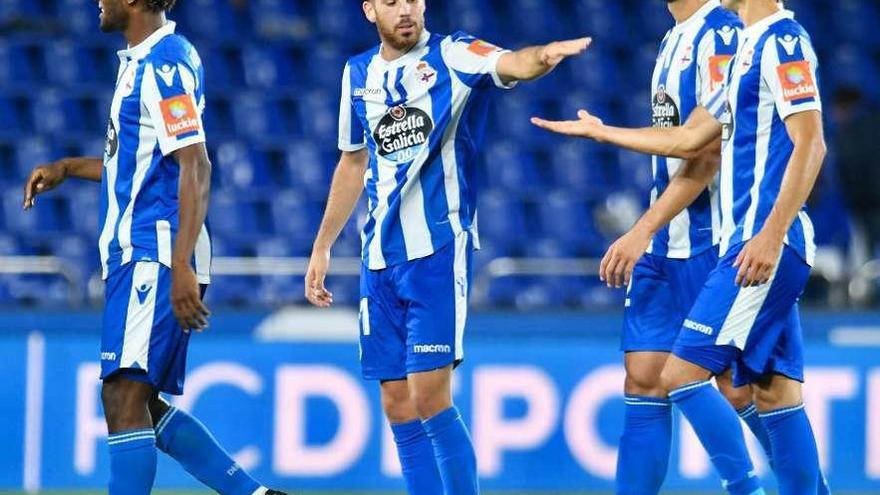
47, 177
684, 142
345, 190
692, 179
536, 61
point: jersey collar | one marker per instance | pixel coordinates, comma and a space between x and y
763, 24
698, 16
143, 48
423, 40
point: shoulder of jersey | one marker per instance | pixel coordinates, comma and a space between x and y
721, 17
364, 57
788, 26
175, 48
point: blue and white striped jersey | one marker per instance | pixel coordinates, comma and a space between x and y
691, 65
422, 118
156, 110
772, 77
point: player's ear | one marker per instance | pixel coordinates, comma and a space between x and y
370, 11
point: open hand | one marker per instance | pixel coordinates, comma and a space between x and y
556, 52
587, 126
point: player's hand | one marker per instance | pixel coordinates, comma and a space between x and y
618, 263
758, 259
316, 293
587, 126
554, 53
43, 178
186, 299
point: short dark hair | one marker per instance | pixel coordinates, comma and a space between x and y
160, 5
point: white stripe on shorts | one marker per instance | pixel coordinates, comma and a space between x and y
139, 316
461, 291
741, 318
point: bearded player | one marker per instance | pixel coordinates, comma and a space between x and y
411, 121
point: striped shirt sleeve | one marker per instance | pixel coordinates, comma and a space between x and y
168, 92
475, 60
716, 50
351, 132
789, 69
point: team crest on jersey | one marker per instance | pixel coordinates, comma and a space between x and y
179, 115
718, 67
402, 133
425, 73
797, 80
686, 58
112, 144
664, 112
746, 63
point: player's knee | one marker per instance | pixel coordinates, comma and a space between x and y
644, 382
430, 401
776, 397
396, 402
738, 397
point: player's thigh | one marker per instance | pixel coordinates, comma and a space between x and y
687, 277
382, 332
125, 403
435, 290
651, 317
643, 370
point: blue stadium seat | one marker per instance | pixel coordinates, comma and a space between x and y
266, 67
80, 16
9, 117
240, 167
501, 218
84, 201
565, 217
17, 68
277, 18
11, 10
475, 20
856, 21
257, 116
319, 114
307, 168
509, 167
211, 19
603, 20
579, 167
31, 152
295, 217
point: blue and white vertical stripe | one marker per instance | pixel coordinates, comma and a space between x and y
756, 155
421, 118
682, 80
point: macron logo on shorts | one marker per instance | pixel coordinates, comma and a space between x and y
432, 348
698, 327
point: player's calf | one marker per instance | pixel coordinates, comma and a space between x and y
132, 441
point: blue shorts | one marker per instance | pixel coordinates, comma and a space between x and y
661, 292
141, 339
755, 329
412, 315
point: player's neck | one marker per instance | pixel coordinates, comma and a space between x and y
140, 27
753, 11
682, 10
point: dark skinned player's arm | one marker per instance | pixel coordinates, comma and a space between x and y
194, 187
47, 177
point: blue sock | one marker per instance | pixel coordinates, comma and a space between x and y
795, 457
417, 459
750, 416
643, 456
187, 440
718, 429
454, 452
132, 462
